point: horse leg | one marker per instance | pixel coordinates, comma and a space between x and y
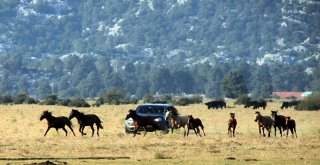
92, 130
280, 131
275, 131
83, 130
71, 129
263, 132
260, 131
80, 130
291, 129
185, 132
97, 130
65, 130
188, 131
233, 130
135, 131
295, 131
145, 129
287, 131
47, 130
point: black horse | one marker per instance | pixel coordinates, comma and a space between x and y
56, 122
86, 120
140, 121
279, 122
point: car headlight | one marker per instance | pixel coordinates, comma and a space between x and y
129, 122
157, 119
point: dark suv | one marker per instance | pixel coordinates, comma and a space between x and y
155, 111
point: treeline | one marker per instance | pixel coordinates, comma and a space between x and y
89, 77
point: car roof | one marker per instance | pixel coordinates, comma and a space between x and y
156, 104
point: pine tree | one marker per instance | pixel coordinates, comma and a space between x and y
233, 84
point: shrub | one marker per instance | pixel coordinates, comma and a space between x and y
30, 100
157, 99
63, 102
50, 100
183, 101
311, 103
6, 99
24, 98
78, 102
242, 99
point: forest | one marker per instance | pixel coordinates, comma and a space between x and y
82, 49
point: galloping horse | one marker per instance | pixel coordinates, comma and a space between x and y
86, 120
195, 123
177, 121
56, 122
140, 121
232, 123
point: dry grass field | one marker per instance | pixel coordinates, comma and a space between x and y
22, 140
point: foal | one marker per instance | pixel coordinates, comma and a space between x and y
291, 124
195, 123
232, 123
56, 122
86, 120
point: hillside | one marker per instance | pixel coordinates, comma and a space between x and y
97, 44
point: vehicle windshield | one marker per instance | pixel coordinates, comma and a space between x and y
151, 109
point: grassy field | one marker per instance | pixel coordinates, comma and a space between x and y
22, 139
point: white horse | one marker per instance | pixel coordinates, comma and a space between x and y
177, 121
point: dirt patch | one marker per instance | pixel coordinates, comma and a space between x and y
230, 158
250, 159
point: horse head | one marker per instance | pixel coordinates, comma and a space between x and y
130, 114
73, 113
45, 114
274, 113
258, 116
232, 115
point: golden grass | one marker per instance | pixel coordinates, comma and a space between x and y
22, 137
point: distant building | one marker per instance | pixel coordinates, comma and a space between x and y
285, 95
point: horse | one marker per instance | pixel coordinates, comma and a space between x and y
56, 122
232, 123
86, 120
291, 124
140, 121
195, 123
279, 122
177, 121
265, 122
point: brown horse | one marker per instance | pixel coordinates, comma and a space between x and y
264, 122
195, 123
86, 120
291, 124
177, 121
56, 122
140, 121
232, 123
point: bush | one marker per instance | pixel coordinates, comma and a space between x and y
311, 103
24, 99
6, 99
63, 102
242, 100
183, 101
157, 99
50, 100
78, 102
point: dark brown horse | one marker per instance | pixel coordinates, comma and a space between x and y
140, 121
291, 124
195, 123
279, 122
56, 122
232, 123
86, 120
264, 122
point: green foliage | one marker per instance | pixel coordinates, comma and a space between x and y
166, 98
78, 102
233, 84
6, 99
183, 101
242, 99
24, 99
116, 96
311, 103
